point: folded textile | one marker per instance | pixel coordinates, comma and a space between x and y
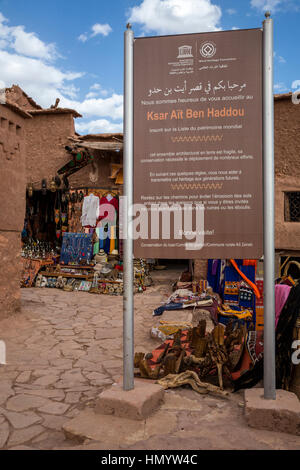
180, 293
240, 314
180, 305
171, 306
213, 311
170, 328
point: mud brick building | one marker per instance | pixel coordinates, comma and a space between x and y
13, 121
287, 184
33, 145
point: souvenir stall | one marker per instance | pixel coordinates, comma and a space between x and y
71, 233
220, 344
40, 245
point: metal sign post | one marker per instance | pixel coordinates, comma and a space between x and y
269, 211
128, 305
269, 225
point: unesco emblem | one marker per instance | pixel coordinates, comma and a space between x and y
208, 49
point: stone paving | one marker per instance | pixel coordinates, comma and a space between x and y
64, 348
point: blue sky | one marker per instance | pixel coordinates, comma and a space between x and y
74, 49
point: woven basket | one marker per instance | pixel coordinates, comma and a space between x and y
286, 269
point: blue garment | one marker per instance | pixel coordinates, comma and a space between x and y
214, 274
100, 233
232, 275
107, 242
172, 306
24, 233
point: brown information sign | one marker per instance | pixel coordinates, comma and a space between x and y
198, 145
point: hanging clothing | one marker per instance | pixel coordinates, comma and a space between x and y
112, 239
100, 234
215, 274
250, 262
107, 240
283, 341
90, 211
110, 216
107, 222
281, 294
250, 283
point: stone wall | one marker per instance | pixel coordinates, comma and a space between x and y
10, 273
287, 138
46, 138
200, 269
287, 234
287, 174
287, 170
12, 207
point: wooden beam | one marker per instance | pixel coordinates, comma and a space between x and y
98, 145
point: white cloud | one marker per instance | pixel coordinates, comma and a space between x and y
100, 126
97, 90
280, 87
296, 84
42, 81
83, 37
3, 44
24, 60
101, 107
30, 45
267, 4
24, 43
98, 28
96, 86
103, 29
280, 59
231, 11
176, 16
91, 94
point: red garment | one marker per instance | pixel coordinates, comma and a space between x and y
114, 202
250, 262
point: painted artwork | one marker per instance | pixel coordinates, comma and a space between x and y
77, 248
